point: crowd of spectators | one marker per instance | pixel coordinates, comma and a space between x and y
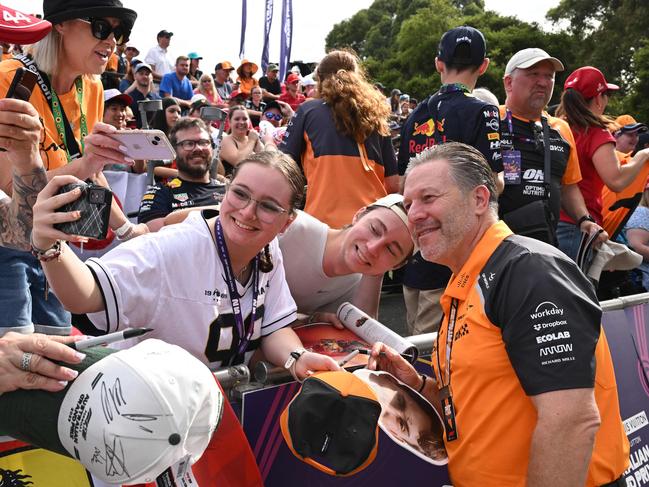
334, 115
564, 178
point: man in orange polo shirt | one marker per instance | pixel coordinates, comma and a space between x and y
523, 370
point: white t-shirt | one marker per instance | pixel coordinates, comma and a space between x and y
173, 281
158, 57
303, 246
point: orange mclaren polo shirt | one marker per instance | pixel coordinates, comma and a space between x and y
342, 176
527, 322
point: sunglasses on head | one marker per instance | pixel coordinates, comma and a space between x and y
271, 116
102, 29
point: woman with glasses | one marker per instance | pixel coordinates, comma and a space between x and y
241, 141
212, 285
69, 101
583, 103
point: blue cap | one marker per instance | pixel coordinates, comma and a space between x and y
194, 55
469, 36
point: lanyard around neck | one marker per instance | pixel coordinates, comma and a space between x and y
235, 299
450, 330
60, 120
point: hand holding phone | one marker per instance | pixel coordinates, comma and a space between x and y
21, 88
22, 84
146, 144
94, 205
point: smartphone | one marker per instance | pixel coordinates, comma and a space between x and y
144, 144
22, 85
213, 114
94, 205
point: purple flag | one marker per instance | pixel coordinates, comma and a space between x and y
244, 15
268, 21
286, 37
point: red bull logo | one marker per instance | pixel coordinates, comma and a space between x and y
439, 125
427, 128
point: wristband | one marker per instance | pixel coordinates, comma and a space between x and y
46, 255
584, 218
293, 357
423, 383
123, 230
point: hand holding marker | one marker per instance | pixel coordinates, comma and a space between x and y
119, 336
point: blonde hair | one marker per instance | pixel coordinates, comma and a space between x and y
46, 52
358, 108
200, 84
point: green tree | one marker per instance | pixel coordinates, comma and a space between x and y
398, 41
611, 35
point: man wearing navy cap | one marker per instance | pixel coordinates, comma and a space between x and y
158, 56
451, 114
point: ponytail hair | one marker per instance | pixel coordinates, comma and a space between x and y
575, 110
358, 108
265, 261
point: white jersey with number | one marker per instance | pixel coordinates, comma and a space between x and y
173, 281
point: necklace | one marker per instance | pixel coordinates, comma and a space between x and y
242, 272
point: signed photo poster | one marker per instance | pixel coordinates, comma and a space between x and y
407, 417
327, 340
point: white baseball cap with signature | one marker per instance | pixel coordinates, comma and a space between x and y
137, 412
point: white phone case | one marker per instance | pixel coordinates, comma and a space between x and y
146, 144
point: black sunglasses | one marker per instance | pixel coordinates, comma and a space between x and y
102, 29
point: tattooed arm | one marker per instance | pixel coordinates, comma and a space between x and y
20, 129
16, 213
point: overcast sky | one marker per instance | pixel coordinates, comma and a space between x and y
213, 27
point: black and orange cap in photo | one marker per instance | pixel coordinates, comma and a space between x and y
332, 423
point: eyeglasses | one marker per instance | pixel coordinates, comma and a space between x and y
102, 29
273, 116
267, 210
191, 144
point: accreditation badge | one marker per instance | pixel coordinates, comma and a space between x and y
512, 166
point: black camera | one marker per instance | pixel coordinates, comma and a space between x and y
94, 205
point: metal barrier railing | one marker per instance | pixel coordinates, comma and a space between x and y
239, 379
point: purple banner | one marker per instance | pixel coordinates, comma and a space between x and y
286, 38
626, 331
244, 17
268, 21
